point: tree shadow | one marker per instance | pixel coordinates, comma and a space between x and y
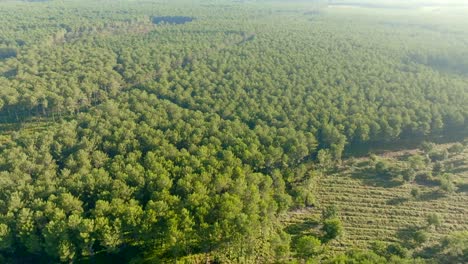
462, 188
458, 162
428, 252
397, 200
10, 73
305, 226
369, 177
362, 164
404, 156
335, 170
456, 166
425, 180
432, 195
406, 235
458, 170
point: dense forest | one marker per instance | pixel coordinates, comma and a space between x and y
185, 131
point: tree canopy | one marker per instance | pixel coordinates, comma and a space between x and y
175, 139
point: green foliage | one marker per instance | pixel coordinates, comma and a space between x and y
417, 162
382, 168
388, 169
332, 228
393, 250
369, 257
446, 183
398, 250
420, 237
427, 147
325, 159
308, 246
454, 248
434, 220
438, 168
333, 139
6, 239
379, 247
415, 193
281, 245
330, 212
357, 256
172, 140
456, 148
438, 155
409, 174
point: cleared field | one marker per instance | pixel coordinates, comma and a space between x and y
7, 130
375, 208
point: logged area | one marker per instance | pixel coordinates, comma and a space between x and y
154, 131
391, 208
